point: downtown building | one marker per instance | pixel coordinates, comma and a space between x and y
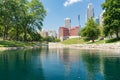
52, 33
44, 33
90, 12
63, 33
68, 23
67, 31
101, 18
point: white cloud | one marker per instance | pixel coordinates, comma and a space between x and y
69, 2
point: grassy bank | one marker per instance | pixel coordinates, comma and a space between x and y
15, 44
81, 41
74, 41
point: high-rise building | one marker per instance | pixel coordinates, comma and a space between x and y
97, 20
90, 11
68, 23
101, 18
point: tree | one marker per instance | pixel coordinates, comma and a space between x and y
6, 15
21, 19
111, 17
90, 30
33, 17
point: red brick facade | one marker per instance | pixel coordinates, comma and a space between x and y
65, 33
74, 31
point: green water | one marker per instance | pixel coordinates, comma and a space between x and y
59, 64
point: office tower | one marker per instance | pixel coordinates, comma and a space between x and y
101, 18
90, 11
97, 20
68, 23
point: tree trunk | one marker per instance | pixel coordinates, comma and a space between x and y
25, 34
17, 33
117, 35
5, 32
92, 39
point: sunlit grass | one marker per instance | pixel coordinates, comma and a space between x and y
15, 44
73, 41
81, 41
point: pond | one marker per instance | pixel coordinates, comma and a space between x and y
59, 64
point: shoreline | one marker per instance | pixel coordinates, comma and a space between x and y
16, 48
110, 46
86, 46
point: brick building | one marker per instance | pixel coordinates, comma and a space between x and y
63, 33
74, 31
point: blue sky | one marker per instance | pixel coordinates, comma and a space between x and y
58, 10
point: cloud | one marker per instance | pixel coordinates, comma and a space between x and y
69, 2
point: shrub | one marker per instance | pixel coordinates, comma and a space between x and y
112, 40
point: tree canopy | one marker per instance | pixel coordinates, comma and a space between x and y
21, 19
111, 17
90, 30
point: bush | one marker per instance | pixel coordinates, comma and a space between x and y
57, 40
86, 39
112, 40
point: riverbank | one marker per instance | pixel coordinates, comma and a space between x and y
15, 48
86, 46
110, 46
13, 45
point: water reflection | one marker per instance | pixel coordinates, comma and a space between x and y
59, 64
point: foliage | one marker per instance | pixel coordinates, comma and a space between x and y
21, 19
91, 30
15, 44
111, 17
86, 38
112, 40
57, 40
51, 39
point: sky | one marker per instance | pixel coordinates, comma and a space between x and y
58, 10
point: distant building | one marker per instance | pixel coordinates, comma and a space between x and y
68, 23
52, 33
66, 31
44, 33
74, 32
101, 18
97, 20
63, 33
90, 11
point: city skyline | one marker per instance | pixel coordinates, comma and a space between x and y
57, 11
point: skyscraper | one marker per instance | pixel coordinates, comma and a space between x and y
90, 11
101, 18
68, 23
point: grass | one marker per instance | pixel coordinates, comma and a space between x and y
81, 41
15, 44
73, 41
